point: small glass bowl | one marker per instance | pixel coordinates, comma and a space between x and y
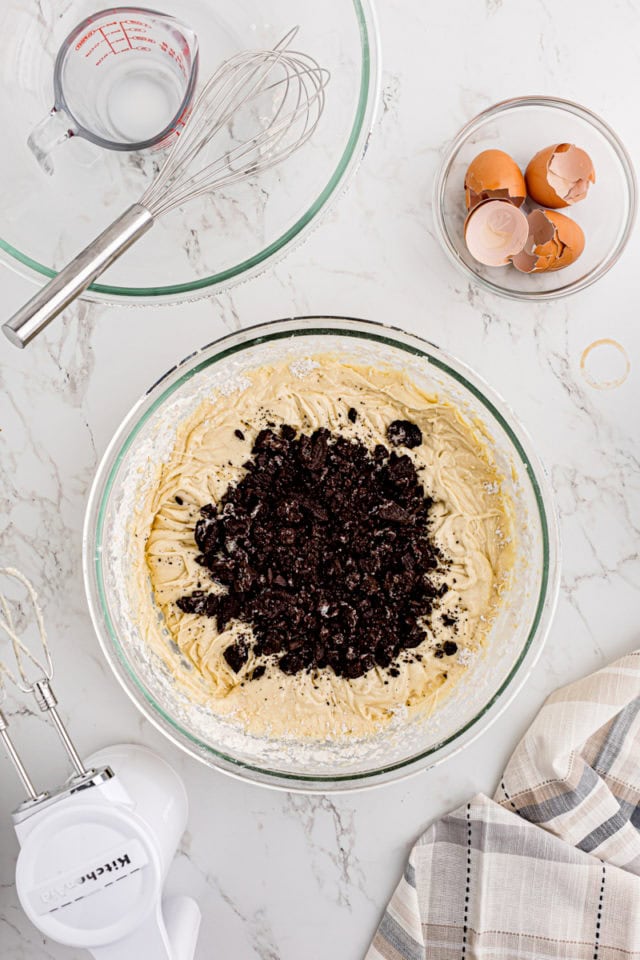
521, 127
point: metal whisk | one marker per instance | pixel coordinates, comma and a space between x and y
296, 84
40, 686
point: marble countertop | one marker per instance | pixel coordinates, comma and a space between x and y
279, 876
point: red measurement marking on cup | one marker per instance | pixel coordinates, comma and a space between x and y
90, 52
126, 35
117, 39
107, 40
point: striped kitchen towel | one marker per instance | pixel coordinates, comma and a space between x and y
550, 868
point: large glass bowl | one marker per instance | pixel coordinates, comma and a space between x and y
130, 463
521, 127
214, 240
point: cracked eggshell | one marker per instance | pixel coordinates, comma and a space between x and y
559, 175
494, 175
495, 231
554, 242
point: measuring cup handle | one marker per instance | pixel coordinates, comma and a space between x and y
52, 130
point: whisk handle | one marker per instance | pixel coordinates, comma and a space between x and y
77, 275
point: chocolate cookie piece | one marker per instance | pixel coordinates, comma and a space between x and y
404, 433
204, 604
324, 550
236, 655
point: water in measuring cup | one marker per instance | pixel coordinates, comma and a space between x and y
138, 99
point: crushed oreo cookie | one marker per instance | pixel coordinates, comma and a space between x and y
403, 433
446, 649
237, 655
325, 552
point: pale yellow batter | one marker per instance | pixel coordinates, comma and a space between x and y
471, 523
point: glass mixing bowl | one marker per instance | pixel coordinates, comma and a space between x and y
129, 465
214, 240
521, 127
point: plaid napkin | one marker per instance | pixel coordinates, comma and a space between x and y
550, 868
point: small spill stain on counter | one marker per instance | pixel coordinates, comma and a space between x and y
604, 364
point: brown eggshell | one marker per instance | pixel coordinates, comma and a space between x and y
494, 175
495, 231
554, 242
559, 175
569, 236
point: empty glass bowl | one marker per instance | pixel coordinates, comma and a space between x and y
214, 240
521, 127
492, 680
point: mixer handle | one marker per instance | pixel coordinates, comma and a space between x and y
170, 932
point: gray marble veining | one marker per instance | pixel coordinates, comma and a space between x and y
278, 876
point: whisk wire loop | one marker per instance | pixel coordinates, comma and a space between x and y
297, 84
208, 108
254, 153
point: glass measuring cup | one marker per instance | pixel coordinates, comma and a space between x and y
123, 79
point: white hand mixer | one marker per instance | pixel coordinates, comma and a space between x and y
94, 853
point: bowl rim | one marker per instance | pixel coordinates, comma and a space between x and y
514, 103
354, 151
219, 349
